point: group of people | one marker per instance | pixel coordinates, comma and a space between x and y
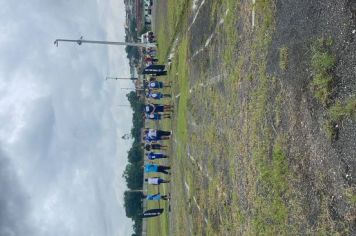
150, 138
153, 91
153, 138
149, 53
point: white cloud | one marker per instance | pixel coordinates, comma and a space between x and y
62, 127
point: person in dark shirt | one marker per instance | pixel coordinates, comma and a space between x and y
153, 156
157, 95
157, 85
157, 116
154, 108
154, 146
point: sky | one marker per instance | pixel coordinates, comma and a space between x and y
61, 152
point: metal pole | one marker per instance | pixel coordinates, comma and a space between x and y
133, 89
116, 78
81, 40
136, 190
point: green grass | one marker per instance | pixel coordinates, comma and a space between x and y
283, 58
183, 88
170, 25
272, 215
182, 136
159, 225
273, 176
236, 137
350, 194
340, 111
322, 62
337, 113
230, 30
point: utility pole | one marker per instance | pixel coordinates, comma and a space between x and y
80, 41
135, 190
138, 89
116, 78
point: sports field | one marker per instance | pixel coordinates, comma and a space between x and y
264, 128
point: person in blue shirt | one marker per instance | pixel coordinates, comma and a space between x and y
153, 168
155, 197
153, 156
154, 146
149, 139
157, 85
157, 95
154, 108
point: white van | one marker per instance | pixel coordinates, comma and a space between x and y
148, 19
145, 37
148, 2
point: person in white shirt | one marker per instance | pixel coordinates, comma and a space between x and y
156, 181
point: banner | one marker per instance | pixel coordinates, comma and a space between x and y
152, 213
155, 69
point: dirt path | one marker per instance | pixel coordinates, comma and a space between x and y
300, 23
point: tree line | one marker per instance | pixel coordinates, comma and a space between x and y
134, 170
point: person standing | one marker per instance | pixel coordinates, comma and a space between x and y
156, 181
154, 108
155, 197
153, 168
154, 156
157, 116
155, 146
157, 133
157, 95
157, 85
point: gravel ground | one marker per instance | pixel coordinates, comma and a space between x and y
324, 169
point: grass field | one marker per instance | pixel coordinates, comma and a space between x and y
235, 171
160, 225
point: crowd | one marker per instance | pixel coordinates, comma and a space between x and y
154, 140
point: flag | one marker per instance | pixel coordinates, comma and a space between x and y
155, 69
152, 213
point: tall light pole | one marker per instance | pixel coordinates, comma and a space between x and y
133, 89
80, 41
116, 78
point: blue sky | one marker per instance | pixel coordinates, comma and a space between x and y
61, 152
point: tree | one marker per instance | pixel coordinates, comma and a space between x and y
134, 169
133, 204
134, 175
135, 154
